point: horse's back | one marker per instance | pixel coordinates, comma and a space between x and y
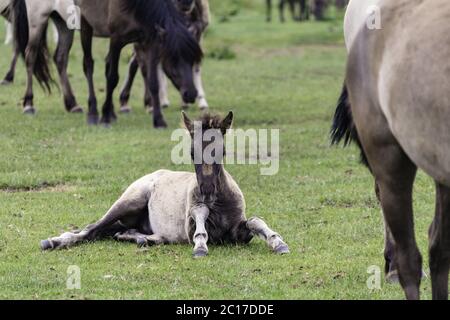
408, 63
168, 205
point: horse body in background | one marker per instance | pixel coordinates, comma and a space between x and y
181, 207
197, 16
6, 13
397, 108
31, 19
160, 35
303, 10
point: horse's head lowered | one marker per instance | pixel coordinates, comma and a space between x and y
180, 53
208, 149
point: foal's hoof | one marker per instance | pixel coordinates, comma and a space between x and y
46, 245
125, 109
30, 110
165, 106
282, 249
92, 119
76, 109
185, 107
201, 253
141, 242
392, 277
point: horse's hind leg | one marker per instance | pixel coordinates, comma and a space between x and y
88, 68
269, 10
281, 9
65, 41
141, 239
127, 213
133, 67
258, 227
440, 244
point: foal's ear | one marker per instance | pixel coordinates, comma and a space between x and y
160, 31
187, 122
227, 122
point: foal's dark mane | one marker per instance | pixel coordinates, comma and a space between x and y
178, 41
210, 121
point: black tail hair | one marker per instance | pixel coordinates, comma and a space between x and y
343, 128
21, 38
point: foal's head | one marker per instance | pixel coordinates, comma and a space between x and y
208, 149
185, 6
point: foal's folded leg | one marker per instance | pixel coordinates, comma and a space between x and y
133, 235
273, 239
200, 215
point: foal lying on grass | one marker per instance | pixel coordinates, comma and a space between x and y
179, 207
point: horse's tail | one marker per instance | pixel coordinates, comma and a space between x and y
21, 38
343, 128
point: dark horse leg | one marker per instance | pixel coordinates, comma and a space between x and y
292, 9
281, 9
304, 10
390, 268
112, 79
61, 58
439, 250
9, 78
88, 67
269, 10
152, 82
128, 84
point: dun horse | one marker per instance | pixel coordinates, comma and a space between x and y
197, 17
395, 105
31, 19
181, 207
161, 36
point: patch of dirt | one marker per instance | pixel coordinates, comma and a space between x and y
38, 188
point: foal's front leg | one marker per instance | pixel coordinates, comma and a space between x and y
273, 239
200, 215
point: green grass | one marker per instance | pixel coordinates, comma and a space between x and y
56, 173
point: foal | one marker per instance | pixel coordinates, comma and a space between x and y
197, 15
182, 207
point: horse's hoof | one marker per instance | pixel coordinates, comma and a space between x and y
392, 277
107, 122
160, 124
46, 245
282, 249
29, 110
125, 109
165, 106
6, 82
185, 107
149, 109
76, 109
92, 120
201, 253
141, 242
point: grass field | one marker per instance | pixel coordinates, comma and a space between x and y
57, 173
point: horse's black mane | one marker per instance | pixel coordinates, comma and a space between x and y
178, 41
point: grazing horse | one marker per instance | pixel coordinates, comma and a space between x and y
181, 207
160, 36
30, 18
197, 15
303, 10
395, 105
